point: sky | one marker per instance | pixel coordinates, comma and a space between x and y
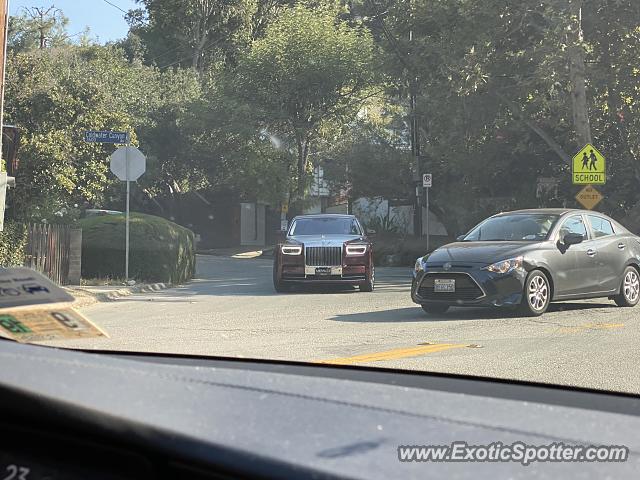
105, 21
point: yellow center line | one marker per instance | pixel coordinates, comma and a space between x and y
590, 326
603, 325
392, 354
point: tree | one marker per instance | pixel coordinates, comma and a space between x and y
37, 28
53, 96
310, 69
194, 33
507, 91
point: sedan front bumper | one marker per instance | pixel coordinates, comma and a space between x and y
474, 287
349, 273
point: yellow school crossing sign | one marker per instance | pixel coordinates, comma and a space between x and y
588, 167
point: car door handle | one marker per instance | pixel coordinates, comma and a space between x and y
591, 252
621, 246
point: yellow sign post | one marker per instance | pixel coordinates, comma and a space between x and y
589, 197
588, 167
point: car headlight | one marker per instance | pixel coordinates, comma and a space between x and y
418, 266
291, 249
506, 266
358, 249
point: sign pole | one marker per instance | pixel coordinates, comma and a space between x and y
428, 232
126, 246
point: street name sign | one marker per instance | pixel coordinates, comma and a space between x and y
106, 136
589, 197
588, 167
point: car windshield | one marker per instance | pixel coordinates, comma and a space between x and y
324, 226
528, 227
368, 183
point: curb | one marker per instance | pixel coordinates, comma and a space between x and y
85, 297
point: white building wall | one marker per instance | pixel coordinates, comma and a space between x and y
368, 208
252, 224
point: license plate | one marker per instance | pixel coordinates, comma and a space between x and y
444, 285
322, 270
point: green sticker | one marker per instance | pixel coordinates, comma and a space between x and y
12, 325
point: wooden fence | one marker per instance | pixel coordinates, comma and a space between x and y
48, 251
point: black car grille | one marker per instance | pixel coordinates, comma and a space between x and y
323, 256
466, 288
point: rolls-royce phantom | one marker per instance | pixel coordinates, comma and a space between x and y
324, 248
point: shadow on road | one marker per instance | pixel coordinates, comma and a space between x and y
416, 314
257, 287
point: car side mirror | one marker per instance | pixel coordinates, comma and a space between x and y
371, 231
572, 239
459, 238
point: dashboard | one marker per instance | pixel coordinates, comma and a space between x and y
77, 415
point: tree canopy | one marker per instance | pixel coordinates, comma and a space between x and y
248, 96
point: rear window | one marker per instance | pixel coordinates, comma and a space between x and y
601, 226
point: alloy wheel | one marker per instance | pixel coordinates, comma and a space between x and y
538, 292
631, 286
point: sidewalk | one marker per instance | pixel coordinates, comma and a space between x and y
89, 295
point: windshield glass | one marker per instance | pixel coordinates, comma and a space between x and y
324, 226
513, 227
364, 183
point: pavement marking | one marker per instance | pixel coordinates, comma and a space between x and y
590, 326
393, 354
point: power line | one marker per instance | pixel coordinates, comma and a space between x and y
115, 6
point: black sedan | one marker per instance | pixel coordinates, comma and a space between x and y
529, 258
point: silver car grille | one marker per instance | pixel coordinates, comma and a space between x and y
323, 256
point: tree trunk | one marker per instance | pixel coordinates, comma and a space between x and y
548, 139
303, 155
197, 53
577, 75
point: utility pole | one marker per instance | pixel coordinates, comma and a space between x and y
4, 26
577, 75
415, 134
4, 179
415, 151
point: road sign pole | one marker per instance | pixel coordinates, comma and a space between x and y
126, 242
427, 221
128, 164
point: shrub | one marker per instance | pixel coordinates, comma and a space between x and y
383, 224
13, 241
160, 250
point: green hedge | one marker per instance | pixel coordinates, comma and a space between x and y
160, 250
13, 240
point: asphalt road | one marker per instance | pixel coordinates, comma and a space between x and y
231, 309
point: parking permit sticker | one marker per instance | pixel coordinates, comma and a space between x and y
38, 324
24, 286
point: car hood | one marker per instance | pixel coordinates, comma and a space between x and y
479, 252
323, 240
